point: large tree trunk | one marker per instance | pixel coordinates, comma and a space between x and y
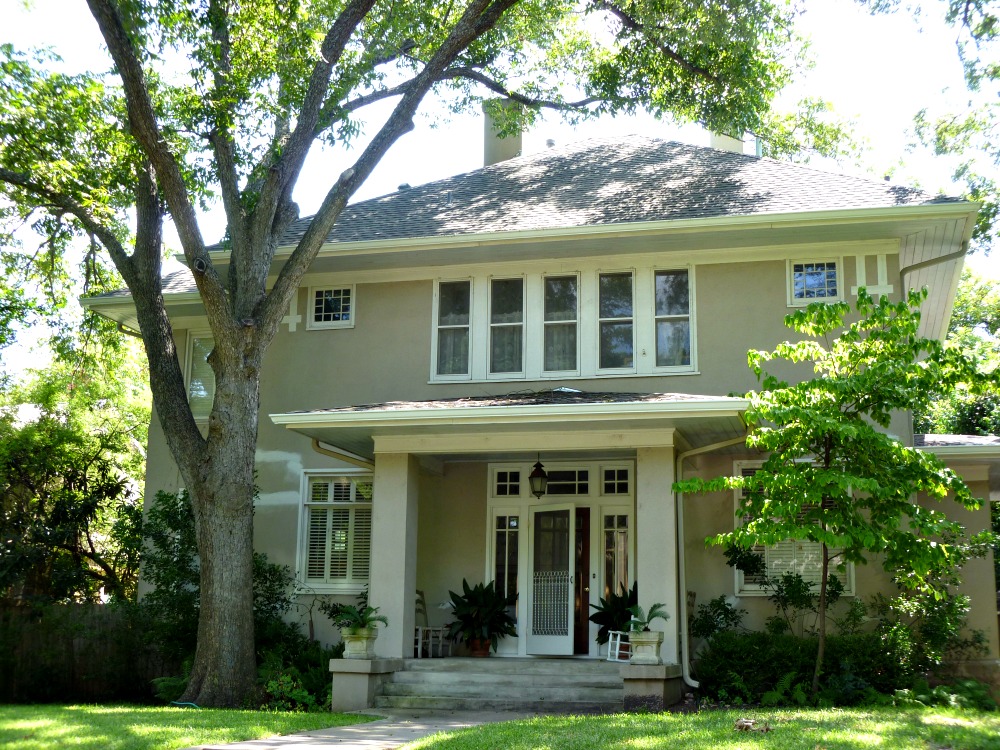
224, 670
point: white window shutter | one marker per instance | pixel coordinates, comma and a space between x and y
361, 551
317, 543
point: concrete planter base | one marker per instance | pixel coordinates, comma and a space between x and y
651, 688
356, 682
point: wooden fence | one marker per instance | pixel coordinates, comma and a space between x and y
75, 652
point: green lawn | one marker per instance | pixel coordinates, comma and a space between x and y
835, 729
34, 727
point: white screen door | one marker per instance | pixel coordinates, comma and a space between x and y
550, 627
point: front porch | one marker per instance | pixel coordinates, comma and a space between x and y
452, 501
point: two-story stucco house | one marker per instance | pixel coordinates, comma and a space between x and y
587, 308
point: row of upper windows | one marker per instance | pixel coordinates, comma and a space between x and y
561, 325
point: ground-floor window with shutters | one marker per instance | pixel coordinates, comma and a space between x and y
790, 556
336, 532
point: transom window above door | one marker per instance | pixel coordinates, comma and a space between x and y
562, 325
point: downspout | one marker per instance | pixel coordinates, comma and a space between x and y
681, 567
341, 455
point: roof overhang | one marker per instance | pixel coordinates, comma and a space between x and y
964, 459
450, 430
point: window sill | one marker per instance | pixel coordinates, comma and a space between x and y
304, 588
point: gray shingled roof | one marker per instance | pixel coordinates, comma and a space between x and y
550, 397
596, 182
608, 181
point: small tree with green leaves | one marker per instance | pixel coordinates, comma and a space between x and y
834, 475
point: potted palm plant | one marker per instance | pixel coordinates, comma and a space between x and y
482, 616
357, 627
646, 642
614, 613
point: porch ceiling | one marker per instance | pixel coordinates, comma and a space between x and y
554, 423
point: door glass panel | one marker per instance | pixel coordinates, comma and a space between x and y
551, 573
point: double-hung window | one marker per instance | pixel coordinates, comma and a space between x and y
561, 314
506, 326
200, 376
616, 321
673, 319
454, 307
337, 520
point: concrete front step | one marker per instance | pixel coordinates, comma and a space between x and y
505, 684
496, 704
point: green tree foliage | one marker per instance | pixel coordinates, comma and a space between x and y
970, 408
212, 99
833, 474
973, 134
71, 467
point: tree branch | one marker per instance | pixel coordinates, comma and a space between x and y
286, 169
479, 17
68, 205
632, 24
143, 126
495, 86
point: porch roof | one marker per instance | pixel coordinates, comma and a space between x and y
525, 422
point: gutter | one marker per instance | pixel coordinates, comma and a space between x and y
681, 567
343, 455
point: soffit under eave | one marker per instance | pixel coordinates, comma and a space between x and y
557, 435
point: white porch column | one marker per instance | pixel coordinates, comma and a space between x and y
656, 532
393, 581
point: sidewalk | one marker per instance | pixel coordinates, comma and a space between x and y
395, 729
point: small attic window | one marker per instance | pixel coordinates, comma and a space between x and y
331, 307
813, 281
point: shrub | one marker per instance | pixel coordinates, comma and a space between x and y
755, 665
716, 616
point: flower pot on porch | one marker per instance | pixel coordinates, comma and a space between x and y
479, 648
359, 643
645, 647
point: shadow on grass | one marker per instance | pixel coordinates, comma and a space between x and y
835, 729
34, 727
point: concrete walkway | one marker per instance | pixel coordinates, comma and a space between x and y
396, 728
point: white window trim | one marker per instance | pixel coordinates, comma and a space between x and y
473, 348
588, 327
302, 546
675, 369
742, 589
792, 301
188, 362
314, 325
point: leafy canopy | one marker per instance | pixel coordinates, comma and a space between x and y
834, 474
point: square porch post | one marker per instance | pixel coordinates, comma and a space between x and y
655, 540
393, 581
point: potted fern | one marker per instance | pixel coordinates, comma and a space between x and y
646, 642
357, 627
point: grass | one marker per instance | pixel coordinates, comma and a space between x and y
33, 727
834, 729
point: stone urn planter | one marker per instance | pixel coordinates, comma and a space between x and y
645, 647
359, 643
